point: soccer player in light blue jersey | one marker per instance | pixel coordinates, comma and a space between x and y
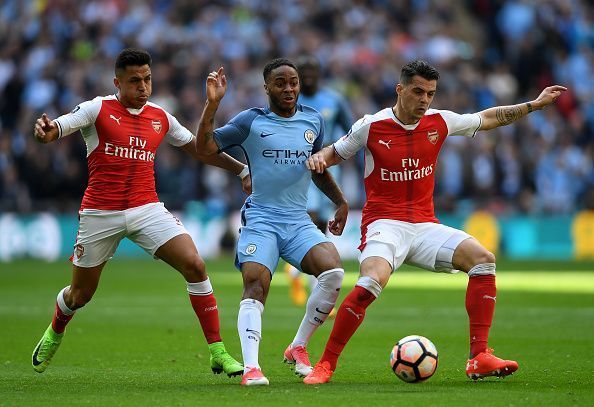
338, 118
276, 142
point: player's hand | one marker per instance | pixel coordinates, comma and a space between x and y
316, 163
216, 85
549, 95
43, 126
336, 225
246, 184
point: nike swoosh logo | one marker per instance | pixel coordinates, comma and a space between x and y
265, 134
35, 361
251, 330
322, 312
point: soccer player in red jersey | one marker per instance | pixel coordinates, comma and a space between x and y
122, 133
399, 225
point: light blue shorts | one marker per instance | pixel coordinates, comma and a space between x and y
264, 240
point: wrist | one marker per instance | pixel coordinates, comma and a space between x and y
244, 172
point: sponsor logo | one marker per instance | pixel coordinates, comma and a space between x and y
354, 313
251, 249
433, 136
136, 150
488, 297
116, 119
266, 134
76, 109
473, 365
385, 143
79, 250
373, 234
157, 125
210, 308
322, 312
36, 362
309, 135
287, 157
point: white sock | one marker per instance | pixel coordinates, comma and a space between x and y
62, 304
313, 282
320, 303
249, 327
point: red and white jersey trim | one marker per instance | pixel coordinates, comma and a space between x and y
121, 147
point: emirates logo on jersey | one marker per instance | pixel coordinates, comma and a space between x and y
433, 136
157, 125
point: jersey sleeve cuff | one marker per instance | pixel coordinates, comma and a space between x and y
337, 153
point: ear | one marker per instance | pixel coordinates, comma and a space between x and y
266, 89
399, 88
116, 82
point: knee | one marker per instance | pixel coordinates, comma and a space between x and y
484, 256
331, 279
194, 269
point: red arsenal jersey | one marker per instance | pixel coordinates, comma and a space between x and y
400, 161
121, 147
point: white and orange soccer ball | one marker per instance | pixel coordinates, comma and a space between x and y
414, 359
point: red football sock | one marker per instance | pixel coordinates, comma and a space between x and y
480, 306
205, 307
60, 320
348, 318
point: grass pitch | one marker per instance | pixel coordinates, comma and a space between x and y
139, 343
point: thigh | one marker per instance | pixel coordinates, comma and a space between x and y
99, 234
387, 239
299, 239
434, 246
258, 243
256, 281
180, 253
151, 226
320, 258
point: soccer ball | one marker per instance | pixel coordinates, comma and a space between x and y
414, 359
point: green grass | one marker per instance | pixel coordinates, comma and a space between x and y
138, 341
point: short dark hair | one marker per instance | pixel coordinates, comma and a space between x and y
132, 56
275, 63
307, 61
420, 68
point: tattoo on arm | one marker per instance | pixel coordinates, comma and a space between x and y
529, 106
508, 114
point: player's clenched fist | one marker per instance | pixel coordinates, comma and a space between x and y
316, 163
45, 130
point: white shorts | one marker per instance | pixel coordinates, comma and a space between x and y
100, 232
427, 245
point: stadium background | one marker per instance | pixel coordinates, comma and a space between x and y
534, 179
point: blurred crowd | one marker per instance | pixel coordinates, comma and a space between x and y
55, 54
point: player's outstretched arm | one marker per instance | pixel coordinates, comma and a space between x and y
504, 115
45, 130
323, 159
216, 86
325, 183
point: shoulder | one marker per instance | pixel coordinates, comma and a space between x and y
369, 119
311, 113
246, 117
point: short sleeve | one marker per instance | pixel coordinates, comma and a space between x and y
81, 116
177, 135
319, 141
461, 124
236, 131
354, 140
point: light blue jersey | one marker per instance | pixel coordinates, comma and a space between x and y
274, 217
338, 118
335, 111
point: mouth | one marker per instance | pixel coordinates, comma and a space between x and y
289, 99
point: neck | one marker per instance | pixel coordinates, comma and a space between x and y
283, 113
403, 117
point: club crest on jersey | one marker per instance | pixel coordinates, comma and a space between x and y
250, 249
157, 125
432, 136
309, 136
79, 250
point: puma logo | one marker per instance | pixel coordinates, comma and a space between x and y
117, 119
385, 143
354, 313
488, 297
